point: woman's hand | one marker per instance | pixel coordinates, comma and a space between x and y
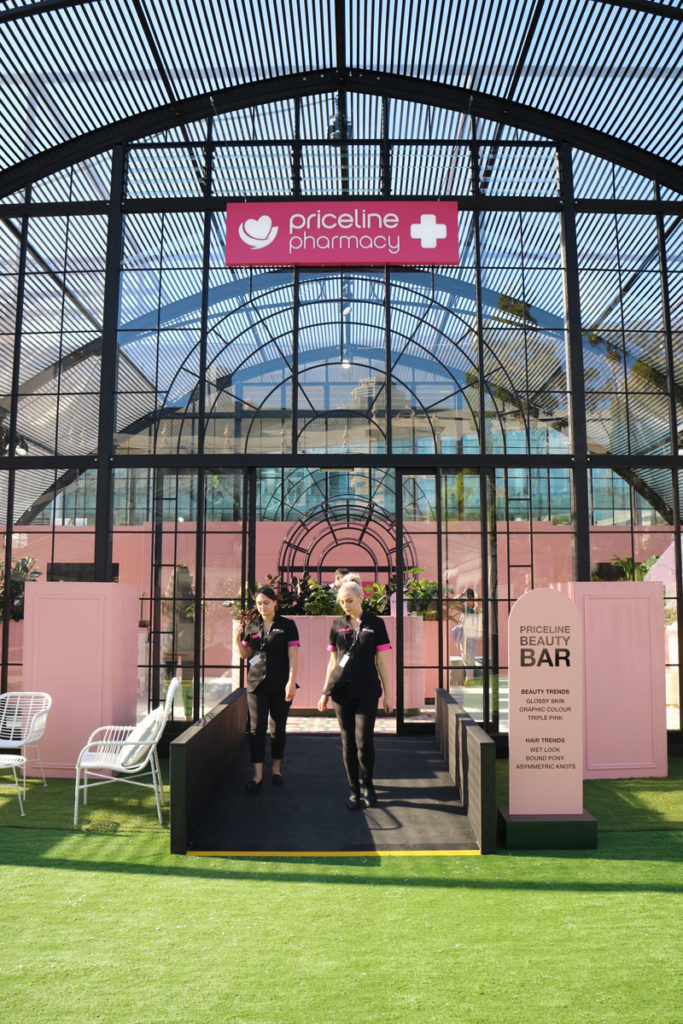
322, 703
290, 691
386, 704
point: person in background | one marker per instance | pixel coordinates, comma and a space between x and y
357, 676
177, 609
470, 630
270, 643
339, 575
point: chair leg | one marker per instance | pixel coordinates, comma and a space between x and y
40, 762
16, 783
78, 776
155, 782
161, 781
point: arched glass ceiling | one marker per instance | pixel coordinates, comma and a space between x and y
63, 304
75, 67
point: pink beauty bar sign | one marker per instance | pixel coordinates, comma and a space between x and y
545, 647
308, 233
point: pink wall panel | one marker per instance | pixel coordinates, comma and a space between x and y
625, 688
81, 648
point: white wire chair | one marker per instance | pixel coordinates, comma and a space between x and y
14, 761
124, 753
23, 717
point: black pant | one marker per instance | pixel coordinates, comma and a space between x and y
356, 719
267, 709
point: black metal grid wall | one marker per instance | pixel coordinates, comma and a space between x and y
131, 352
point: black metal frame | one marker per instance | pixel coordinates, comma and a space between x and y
375, 83
566, 205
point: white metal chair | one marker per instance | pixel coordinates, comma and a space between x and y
124, 753
14, 761
23, 717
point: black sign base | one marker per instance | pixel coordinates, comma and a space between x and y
547, 831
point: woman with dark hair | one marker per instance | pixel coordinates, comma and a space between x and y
357, 676
270, 643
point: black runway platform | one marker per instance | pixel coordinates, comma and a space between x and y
417, 810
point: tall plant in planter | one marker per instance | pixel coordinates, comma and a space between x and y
22, 571
420, 595
321, 600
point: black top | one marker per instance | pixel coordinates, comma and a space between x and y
356, 675
269, 662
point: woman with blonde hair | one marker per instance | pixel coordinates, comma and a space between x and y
357, 676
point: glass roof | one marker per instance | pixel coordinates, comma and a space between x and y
74, 67
81, 74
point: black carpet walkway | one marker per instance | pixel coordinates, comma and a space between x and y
417, 808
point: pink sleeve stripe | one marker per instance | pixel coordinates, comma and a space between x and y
331, 648
383, 647
245, 643
294, 643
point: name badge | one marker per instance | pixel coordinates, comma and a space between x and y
342, 661
256, 659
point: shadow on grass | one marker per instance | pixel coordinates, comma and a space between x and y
593, 871
110, 810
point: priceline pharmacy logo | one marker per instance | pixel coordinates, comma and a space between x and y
342, 232
258, 233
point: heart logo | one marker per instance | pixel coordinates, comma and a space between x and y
258, 233
258, 228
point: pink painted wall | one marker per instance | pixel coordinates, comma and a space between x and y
624, 670
81, 648
461, 546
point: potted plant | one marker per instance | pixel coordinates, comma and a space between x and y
320, 600
376, 599
22, 572
421, 595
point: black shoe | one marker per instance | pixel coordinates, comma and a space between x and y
253, 786
354, 803
370, 794
277, 779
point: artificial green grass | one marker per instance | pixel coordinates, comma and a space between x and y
113, 808
624, 805
104, 925
101, 928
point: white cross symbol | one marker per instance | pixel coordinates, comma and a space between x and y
428, 231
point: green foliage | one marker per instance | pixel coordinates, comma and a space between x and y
22, 572
420, 594
377, 598
516, 307
321, 600
632, 570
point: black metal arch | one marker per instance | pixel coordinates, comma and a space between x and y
289, 494
376, 83
341, 521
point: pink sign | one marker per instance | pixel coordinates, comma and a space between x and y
349, 232
546, 705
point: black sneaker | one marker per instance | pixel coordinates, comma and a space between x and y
354, 803
369, 794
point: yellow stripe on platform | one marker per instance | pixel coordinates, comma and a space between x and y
334, 853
